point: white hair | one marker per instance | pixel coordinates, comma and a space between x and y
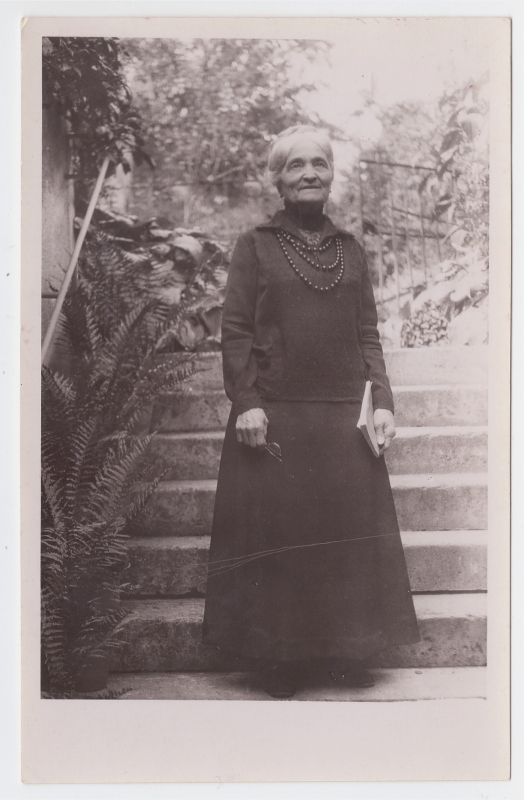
281, 148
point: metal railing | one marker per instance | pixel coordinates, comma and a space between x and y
383, 223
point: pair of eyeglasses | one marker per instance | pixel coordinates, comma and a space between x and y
274, 450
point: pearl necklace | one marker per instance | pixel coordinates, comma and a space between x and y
339, 260
303, 249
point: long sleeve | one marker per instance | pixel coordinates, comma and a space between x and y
238, 328
371, 347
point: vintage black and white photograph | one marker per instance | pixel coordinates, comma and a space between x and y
269, 279
264, 369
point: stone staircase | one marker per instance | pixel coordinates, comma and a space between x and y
438, 468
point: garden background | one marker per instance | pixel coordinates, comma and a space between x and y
411, 152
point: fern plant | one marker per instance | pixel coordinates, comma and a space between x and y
95, 455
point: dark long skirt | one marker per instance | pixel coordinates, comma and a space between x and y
306, 559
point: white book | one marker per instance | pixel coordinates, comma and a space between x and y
365, 421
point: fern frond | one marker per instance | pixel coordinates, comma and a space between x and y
151, 382
81, 442
110, 490
113, 353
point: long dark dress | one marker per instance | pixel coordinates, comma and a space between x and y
306, 559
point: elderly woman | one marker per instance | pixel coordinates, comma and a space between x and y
306, 560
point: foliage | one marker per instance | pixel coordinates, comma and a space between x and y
94, 455
425, 327
214, 105
451, 264
460, 192
411, 133
84, 76
184, 268
460, 187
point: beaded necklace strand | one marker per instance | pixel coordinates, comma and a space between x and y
312, 242
303, 250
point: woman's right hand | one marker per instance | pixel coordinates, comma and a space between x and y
251, 428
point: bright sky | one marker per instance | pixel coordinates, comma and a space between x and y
404, 60
400, 60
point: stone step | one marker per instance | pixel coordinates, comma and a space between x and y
438, 561
441, 405
441, 502
414, 406
168, 565
165, 635
194, 456
390, 685
437, 365
456, 501
405, 367
446, 561
195, 409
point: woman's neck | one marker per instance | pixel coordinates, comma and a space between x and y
306, 217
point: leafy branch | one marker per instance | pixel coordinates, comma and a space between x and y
85, 78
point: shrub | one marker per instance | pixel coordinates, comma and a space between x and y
426, 326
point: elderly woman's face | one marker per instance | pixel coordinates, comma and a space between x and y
307, 176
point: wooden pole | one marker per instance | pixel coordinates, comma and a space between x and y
74, 258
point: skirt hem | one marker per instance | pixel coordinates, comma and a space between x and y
356, 651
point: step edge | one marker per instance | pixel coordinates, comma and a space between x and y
426, 606
169, 542
448, 539
209, 434
437, 387
440, 431
402, 480
428, 480
450, 348
403, 432
192, 391
444, 539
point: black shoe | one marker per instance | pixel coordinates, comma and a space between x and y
279, 680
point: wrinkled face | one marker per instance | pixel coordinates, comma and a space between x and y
307, 176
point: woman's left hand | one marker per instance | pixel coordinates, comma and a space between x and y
384, 428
